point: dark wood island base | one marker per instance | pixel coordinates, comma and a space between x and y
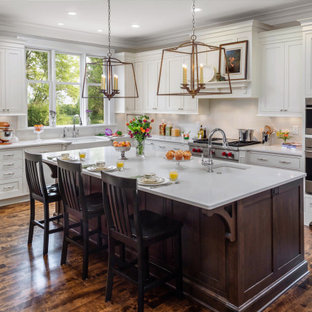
242, 256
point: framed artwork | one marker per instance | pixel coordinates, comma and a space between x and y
236, 57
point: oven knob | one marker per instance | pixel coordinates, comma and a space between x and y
224, 154
213, 152
199, 150
194, 150
230, 155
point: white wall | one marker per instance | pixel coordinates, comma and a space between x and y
228, 114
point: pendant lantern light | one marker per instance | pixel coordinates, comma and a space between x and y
103, 74
192, 64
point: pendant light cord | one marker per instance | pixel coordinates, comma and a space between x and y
193, 37
109, 54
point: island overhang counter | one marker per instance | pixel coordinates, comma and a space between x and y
242, 233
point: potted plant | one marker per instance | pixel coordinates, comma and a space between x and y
140, 128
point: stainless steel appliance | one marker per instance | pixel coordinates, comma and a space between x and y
308, 116
200, 146
308, 156
245, 135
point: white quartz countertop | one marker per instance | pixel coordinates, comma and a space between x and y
228, 183
171, 139
276, 149
27, 143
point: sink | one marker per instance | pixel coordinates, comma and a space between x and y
226, 169
86, 139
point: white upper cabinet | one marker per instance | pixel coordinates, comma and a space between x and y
12, 79
307, 37
281, 73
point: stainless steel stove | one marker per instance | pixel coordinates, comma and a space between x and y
200, 146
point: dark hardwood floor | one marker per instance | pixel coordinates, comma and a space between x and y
30, 282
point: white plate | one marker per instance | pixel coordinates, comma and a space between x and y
209, 73
159, 182
70, 158
99, 169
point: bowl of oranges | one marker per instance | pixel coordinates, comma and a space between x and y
122, 147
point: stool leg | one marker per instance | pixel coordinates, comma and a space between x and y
99, 237
31, 221
179, 269
65, 243
85, 234
110, 271
141, 274
46, 229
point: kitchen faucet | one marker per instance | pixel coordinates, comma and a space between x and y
209, 162
76, 132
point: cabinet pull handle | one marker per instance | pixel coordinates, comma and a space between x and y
262, 159
8, 155
154, 107
180, 108
7, 188
8, 165
284, 162
9, 174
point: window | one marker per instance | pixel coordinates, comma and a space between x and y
67, 73
58, 88
95, 105
38, 87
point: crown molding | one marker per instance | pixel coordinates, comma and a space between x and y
171, 37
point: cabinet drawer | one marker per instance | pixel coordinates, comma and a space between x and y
11, 165
11, 174
10, 188
45, 149
10, 155
278, 161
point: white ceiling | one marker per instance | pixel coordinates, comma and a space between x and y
154, 16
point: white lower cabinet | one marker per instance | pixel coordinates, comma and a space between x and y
307, 209
13, 182
272, 160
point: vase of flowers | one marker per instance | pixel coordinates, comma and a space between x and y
89, 112
283, 134
140, 128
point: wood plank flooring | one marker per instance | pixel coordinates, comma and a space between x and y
30, 282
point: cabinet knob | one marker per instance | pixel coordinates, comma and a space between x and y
180, 108
262, 159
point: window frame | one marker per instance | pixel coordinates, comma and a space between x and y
108, 109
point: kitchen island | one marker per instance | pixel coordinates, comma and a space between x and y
242, 236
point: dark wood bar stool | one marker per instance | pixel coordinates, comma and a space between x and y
78, 205
137, 230
46, 194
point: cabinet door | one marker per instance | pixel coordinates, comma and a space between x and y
14, 80
175, 80
308, 64
2, 80
151, 86
294, 96
163, 100
139, 72
272, 79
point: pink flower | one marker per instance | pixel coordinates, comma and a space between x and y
147, 130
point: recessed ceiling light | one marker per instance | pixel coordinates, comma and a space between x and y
60, 24
72, 13
100, 30
135, 26
198, 9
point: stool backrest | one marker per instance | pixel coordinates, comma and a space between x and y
35, 175
71, 185
121, 202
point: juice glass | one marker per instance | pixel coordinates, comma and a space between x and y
82, 155
120, 165
173, 175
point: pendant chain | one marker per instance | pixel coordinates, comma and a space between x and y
193, 37
109, 28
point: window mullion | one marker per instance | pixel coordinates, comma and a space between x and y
83, 102
52, 81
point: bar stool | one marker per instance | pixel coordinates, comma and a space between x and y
46, 194
137, 230
78, 205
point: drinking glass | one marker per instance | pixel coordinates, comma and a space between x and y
173, 175
120, 165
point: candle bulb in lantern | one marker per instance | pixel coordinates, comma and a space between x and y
184, 74
201, 73
115, 82
103, 82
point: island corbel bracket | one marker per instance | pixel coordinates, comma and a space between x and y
228, 214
